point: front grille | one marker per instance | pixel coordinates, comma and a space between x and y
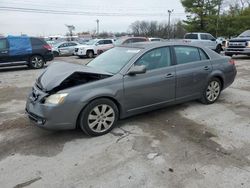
237, 44
76, 49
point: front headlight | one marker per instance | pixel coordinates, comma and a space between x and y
56, 98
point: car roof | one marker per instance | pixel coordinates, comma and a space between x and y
149, 45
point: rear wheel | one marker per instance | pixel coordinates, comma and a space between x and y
212, 91
99, 117
90, 54
36, 62
56, 54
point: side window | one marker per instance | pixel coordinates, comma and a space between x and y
186, 54
108, 42
72, 44
156, 58
203, 55
63, 45
210, 37
139, 40
191, 36
36, 41
128, 41
3, 44
100, 42
204, 37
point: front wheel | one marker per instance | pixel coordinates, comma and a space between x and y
218, 49
212, 91
99, 117
36, 62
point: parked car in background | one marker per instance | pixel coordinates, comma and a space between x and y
204, 39
24, 50
128, 40
125, 81
239, 45
64, 48
90, 48
155, 39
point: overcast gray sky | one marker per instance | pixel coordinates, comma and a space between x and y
114, 15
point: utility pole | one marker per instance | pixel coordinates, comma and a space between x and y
169, 15
97, 27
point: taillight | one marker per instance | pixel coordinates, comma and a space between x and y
48, 47
232, 62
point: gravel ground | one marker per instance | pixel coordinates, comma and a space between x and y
189, 145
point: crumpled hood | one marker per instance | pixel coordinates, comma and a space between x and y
58, 72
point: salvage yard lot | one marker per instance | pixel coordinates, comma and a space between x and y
188, 145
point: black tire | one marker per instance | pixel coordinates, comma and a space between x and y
230, 55
36, 62
215, 93
90, 54
95, 115
56, 54
218, 49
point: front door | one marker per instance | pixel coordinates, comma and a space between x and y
153, 88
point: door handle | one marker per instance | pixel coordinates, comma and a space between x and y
169, 75
206, 68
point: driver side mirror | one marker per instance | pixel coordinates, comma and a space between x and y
137, 69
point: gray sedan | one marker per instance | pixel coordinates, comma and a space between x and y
125, 81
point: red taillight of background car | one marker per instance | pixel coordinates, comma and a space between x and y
48, 47
232, 62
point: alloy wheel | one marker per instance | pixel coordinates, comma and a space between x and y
101, 118
213, 91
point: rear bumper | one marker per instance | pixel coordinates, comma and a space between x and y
49, 56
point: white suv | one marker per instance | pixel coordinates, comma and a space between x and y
90, 48
204, 39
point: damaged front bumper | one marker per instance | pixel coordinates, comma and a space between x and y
47, 116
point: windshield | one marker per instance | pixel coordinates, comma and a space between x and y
245, 34
91, 42
114, 59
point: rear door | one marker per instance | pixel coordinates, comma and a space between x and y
192, 71
4, 50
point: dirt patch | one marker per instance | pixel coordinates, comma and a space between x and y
11, 93
20, 122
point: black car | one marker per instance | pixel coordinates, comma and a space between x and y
19, 50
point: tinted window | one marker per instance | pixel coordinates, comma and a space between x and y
186, 54
155, 39
128, 41
63, 45
100, 42
203, 55
108, 42
210, 37
3, 44
72, 44
114, 59
191, 36
36, 41
156, 58
139, 40
204, 37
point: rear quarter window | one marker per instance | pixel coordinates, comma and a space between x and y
37, 41
191, 36
203, 55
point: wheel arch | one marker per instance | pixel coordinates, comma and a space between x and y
100, 97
